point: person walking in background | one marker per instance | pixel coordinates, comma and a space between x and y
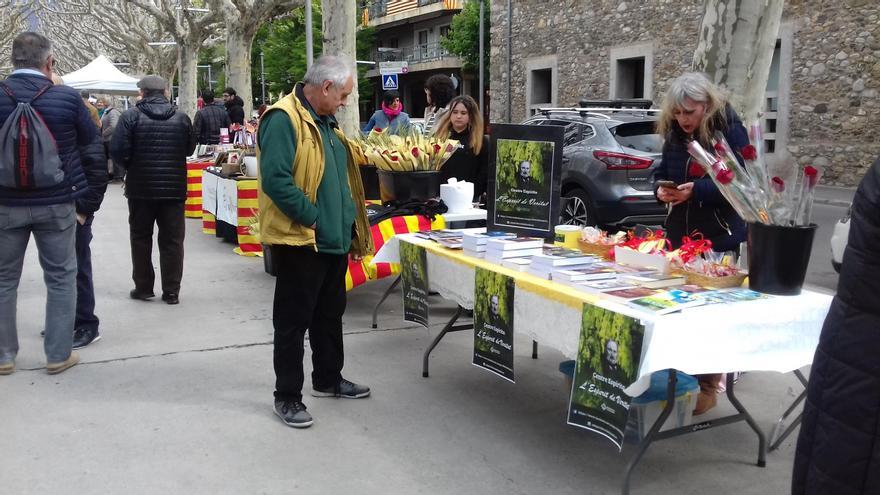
234, 106
391, 117
439, 91
693, 110
470, 162
312, 216
93, 112
47, 211
838, 448
210, 119
109, 119
151, 143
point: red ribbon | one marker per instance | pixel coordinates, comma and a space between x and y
692, 247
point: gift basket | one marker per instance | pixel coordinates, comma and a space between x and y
599, 243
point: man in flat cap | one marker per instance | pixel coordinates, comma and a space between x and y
152, 142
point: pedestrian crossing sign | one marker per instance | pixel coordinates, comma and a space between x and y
389, 81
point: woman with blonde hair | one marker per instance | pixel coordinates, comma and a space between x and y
464, 123
694, 109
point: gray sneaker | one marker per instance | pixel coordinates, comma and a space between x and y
293, 413
344, 389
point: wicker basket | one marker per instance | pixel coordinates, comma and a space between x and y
713, 282
601, 250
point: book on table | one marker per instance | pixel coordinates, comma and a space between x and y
672, 300
474, 240
516, 243
497, 256
654, 280
555, 256
625, 295
594, 271
600, 286
518, 264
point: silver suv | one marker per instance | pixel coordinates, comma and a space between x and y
608, 163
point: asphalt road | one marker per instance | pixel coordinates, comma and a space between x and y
820, 272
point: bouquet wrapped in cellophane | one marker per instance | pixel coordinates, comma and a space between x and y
755, 194
411, 152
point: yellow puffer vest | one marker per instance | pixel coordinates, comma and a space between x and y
308, 170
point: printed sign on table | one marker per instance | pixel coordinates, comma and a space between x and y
227, 201
493, 322
609, 353
209, 193
414, 275
524, 180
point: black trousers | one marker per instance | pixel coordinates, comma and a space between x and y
169, 217
309, 295
85, 289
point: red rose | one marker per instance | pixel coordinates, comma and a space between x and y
394, 158
696, 170
415, 152
811, 174
719, 147
749, 152
377, 130
777, 184
724, 176
436, 148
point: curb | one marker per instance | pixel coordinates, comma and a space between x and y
832, 202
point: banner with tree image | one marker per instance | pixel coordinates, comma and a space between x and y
493, 322
414, 275
524, 183
609, 353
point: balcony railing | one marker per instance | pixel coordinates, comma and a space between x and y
413, 54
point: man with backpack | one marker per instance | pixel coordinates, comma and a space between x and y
151, 142
41, 177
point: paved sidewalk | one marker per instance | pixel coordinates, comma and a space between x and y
832, 195
178, 399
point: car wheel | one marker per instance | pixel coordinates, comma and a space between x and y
577, 209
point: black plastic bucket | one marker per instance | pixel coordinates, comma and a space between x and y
370, 180
778, 257
409, 186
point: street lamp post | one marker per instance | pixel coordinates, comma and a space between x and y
309, 49
263, 77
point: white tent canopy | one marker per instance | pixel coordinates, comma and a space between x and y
101, 76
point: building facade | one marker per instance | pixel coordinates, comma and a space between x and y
409, 32
821, 106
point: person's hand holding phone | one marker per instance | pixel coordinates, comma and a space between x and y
670, 192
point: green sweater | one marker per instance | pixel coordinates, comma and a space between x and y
334, 212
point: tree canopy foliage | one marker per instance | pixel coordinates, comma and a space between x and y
464, 35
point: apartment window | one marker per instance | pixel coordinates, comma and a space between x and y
631, 70
422, 49
444, 31
541, 83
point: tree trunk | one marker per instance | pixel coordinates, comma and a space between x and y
339, 39
189, 57
737, 38
239, 39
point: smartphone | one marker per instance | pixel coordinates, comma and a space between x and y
667, 183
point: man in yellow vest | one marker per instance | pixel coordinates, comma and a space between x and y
312, 217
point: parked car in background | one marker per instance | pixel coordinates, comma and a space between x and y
608, 162
839, 238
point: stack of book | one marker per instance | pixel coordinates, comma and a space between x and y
498, 250
447, 238
654, 280
474, 243
555, 258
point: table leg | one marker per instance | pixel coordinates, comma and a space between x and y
384, 296
774, 444
449, 327
646, 442
534, 350
762, 441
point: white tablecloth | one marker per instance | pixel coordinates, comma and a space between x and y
775, 334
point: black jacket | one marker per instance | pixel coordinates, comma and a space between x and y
235, 108
62, 109
94, 164
707, 211
838, 450
152, 142
465, 165
209, 121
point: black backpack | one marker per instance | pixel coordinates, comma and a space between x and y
28, 153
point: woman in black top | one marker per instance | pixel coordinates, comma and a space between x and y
464, 123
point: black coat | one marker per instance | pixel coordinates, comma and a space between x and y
465, 165
152, 142
208, 123
61, 107
707, 211
235, 109
94, 164
838, 450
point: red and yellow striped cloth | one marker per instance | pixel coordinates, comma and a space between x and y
193, 205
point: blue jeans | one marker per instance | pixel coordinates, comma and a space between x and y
85, 289
54, 230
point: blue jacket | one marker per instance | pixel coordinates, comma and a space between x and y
707, 212
64, 113
380, 120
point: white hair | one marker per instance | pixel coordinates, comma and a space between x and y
331, 68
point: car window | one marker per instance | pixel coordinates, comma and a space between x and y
639, 136
575, 132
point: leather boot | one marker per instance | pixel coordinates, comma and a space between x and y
708, 396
